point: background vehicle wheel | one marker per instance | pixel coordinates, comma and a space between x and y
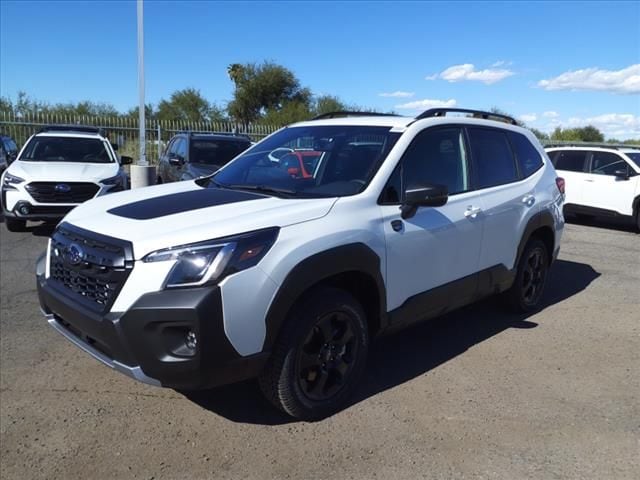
638, 221
320, 356
159, 181
527, 289
15, 225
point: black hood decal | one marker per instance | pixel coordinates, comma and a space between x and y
181, 202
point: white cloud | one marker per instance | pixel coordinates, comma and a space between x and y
550, 114
528, 117
397, 94
467, 71
626, 80
431, 77
500, 63
427, 103
620, 125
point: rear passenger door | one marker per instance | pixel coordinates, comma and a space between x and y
507, 184
571, 165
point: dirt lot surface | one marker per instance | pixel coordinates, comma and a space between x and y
477, 394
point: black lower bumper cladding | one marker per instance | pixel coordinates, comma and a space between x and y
154, 340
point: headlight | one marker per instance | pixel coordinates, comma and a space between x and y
206, 262
117, 180
11, 180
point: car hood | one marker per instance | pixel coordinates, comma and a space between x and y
63, 171
183, 212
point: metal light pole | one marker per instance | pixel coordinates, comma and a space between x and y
142, 174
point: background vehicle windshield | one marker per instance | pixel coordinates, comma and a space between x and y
66, 149
215, 152
635, 156
318, 161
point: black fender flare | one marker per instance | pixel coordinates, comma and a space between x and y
354, 257
539, 220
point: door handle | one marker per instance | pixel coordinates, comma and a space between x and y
529, 200
472, 212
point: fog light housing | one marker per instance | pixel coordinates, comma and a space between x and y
24, 209
191, 340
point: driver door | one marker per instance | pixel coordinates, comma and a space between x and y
438, 246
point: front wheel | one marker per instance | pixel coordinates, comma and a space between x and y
527, 289
320, 356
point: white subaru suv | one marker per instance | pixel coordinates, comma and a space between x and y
58, 168
602, 179
285, 271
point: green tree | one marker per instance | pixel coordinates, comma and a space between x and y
264, 88
188, 105
580, 134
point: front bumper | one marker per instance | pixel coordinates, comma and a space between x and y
148, 342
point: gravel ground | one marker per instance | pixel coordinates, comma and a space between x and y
477, 394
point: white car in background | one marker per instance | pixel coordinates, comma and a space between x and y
56, 170
601, 179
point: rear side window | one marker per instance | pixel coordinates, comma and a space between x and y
527, 156
493, 159
215, 152
570, 160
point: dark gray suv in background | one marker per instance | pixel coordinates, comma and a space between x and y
196, 154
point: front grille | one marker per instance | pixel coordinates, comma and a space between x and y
89, 267
62, 192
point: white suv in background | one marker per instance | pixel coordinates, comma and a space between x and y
601, 179
56, 170
260, 270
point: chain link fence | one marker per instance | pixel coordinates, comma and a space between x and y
124, 131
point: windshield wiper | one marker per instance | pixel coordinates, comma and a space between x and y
261, 188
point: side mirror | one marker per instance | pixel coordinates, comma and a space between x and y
622, 174
176, 162
114, 146
124, 160
423, 196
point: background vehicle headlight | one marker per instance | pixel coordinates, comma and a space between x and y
117, 180
206, 262
9, 179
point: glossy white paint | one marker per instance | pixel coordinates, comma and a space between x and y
436, 246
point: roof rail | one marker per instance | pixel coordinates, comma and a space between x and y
352, 114
72, 128
615, 146
206, 132
441, 112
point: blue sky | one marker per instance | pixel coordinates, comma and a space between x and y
550, 63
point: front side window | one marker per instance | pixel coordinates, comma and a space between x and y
437, 157
570, 160
634, 156
10, 146
492, 156
181, 149
527, 155
314, 161
215, 152
44, 148
606, 163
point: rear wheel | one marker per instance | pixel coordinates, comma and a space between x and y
159, 181
320, 357
527, 289
15, 225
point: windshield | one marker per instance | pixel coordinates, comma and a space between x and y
215, 152
317, 161
635, 156
66, 149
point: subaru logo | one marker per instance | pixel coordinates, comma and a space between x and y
62, 188
74, 254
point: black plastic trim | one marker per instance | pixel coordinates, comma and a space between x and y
354, 257
595, 211
539, 220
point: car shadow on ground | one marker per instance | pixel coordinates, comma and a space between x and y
398, 358
44, 229
621, 224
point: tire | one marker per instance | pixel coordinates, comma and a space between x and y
159, 181
528, 287
320, 356
15, 225
638, 220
